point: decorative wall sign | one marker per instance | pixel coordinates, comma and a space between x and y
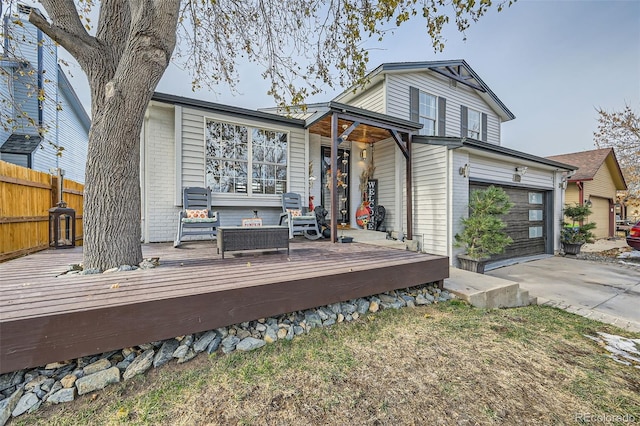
372, 198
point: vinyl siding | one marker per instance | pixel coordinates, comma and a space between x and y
572, 194
371, 99
458, 199
430, 199
384, 157
600, 216
501, 172
397, 103
602, 184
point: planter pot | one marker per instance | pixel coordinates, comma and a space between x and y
470, 264
572, 248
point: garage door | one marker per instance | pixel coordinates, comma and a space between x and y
600, 215
526, 222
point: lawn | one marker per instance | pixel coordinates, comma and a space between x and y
440, 364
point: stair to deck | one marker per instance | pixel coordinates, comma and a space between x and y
484, 291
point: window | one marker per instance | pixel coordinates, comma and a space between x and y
233, 150
535, 232
474, 124
427, 114
535, 198
535, 215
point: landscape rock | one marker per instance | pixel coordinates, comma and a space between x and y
214, 345
229, 344
97, 380
203, 342
165, 353
101, 364
312, 319
63, 395
7, 405
362, 306
139, 365
271, 335
188, 356
249, 344
27, 401
181, 351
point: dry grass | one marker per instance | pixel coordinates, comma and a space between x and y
445, 364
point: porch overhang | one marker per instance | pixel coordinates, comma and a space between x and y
339, 121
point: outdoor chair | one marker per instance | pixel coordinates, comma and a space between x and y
299, 220
197, 218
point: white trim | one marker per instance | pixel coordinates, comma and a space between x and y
178, 154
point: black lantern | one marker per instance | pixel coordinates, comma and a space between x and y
62, 226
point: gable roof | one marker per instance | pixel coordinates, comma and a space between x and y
589, 162
456, 69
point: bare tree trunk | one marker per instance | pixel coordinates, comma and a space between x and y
124, 62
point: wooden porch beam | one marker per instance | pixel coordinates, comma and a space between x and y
334, 177
403, 147
348, 131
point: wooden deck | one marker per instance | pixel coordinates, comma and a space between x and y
46, 319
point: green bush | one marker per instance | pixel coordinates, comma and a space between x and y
574, 233
483, 233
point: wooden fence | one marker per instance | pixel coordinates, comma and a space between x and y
25, 199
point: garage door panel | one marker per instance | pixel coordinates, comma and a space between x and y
519, 224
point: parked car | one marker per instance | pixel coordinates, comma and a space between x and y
633, 238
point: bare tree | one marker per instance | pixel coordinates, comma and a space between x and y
302, 46
621, 131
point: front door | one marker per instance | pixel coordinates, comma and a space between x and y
343, 183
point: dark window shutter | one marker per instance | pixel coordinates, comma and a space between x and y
414, 106
464, 122
484, 127
442, 116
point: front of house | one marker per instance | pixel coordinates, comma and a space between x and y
426, 133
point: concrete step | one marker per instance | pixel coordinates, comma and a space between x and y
485, 291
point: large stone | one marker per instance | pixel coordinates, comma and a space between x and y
99, 365
181, 351
348, 308
35, 382
139, 365
421, 300
188, 356
165, 354
97, 380
312, 319
249, 344
385, 298
214, 345
63, 395
362, 306
229, 344
271, 335
203, 342
7, 405
26, 402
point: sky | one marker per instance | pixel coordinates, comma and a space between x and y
552, 63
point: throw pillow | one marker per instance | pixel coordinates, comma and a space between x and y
197, 214
295, 212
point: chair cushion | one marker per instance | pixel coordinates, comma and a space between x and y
196, 219
197, 214
295, 212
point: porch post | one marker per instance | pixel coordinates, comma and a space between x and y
334, 177
409, 180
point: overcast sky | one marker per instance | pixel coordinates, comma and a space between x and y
550, 62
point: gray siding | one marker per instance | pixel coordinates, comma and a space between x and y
397, 94
502, 171
371, 99
385, 162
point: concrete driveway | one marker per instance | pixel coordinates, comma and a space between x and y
606, 292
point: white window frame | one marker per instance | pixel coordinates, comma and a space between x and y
251, 127
423, 116
471, 131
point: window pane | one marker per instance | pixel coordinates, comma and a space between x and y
535, 231
535, 198
226, 148
473, 124
535, 215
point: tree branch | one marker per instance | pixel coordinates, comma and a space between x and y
68, 30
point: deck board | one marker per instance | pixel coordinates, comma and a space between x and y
46, 319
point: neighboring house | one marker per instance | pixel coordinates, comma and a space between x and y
595, 182
432, 130
41, 113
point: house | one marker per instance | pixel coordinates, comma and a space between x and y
424, 133
44, 125
595, 183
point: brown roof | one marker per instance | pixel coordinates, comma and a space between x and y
589, 162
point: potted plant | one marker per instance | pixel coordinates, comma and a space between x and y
575, 234
483, 233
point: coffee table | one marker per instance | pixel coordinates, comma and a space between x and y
236, 238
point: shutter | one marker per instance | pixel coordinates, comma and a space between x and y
464, 122
442, 114
484, 127
414, 105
